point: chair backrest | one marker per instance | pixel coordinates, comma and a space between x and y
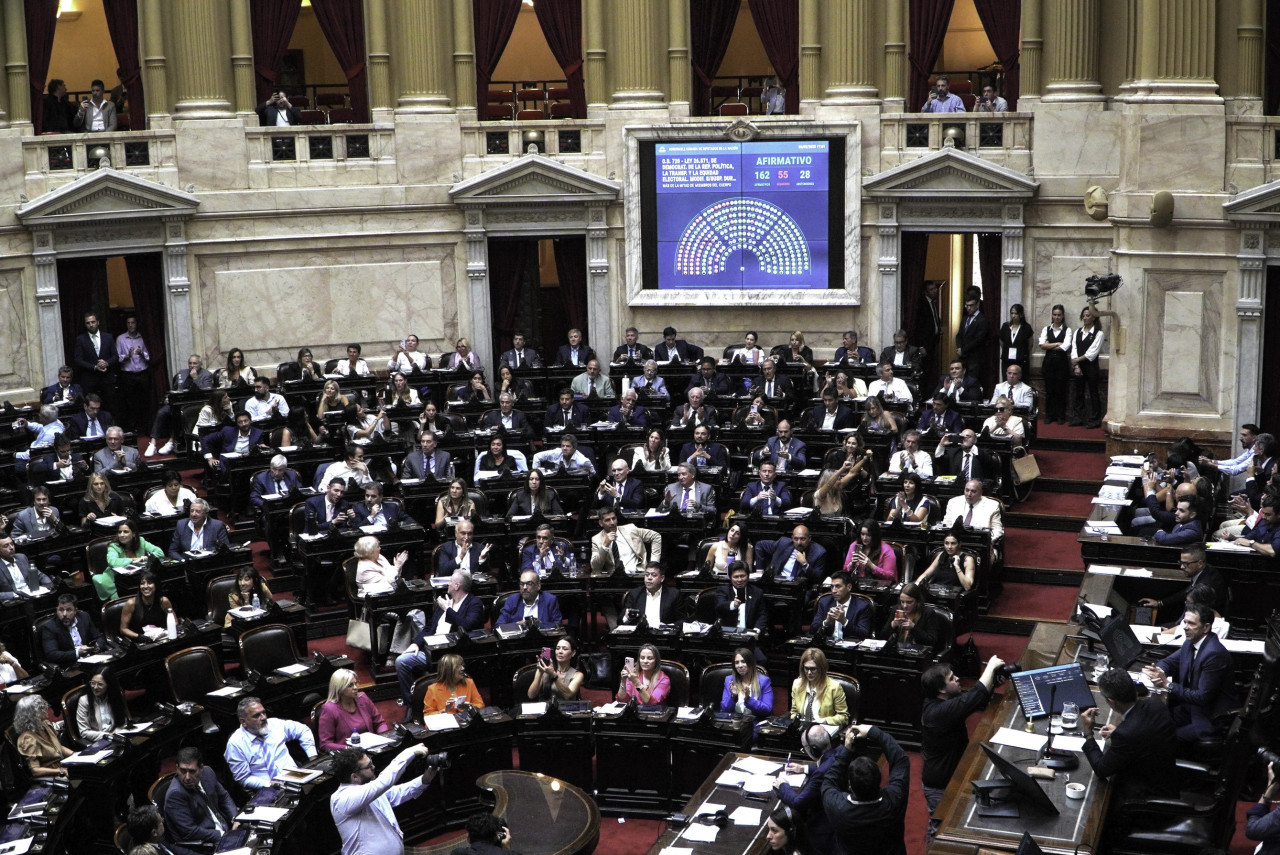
711, 684
313, 718
266, 648
122, 840
852, 692
220, 590
733, 109
111, 612
70, 703
159, 789
530, 115
312, 117
496, 606
704, 609
678, 674
537, 95
520, 683
349, 567
193, 673
96, 554
418, 696
342, 116
331, 99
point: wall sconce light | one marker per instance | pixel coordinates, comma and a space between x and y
534, 141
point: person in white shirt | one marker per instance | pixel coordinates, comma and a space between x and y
172, 498
353, 365
567, 458
893, 388
96, 113
1014, 389
1086, 345
265, 404
352, 466
363, 805
910, 458
1003, 423
408, 359
975, 511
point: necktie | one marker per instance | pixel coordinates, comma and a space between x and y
684, 503
93, 430
617, 554
768, 502
75, 636
768, 389
968, 517
328, 511
810, 697
564, 418
280, 487
968, 458
431, 466
517, 359
631, 353
213, 814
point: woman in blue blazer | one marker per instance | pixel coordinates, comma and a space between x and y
747, 689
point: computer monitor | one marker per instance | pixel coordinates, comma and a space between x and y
1043, 691
1122, 645
1024, 786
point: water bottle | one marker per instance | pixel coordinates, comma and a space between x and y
171, 625
257, 603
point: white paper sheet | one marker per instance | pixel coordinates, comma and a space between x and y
440, 721
87, 758
1069, 743
296, 668
709, 808
746, 816
1240, 645
670, 850
23, 844
757, 766
731, 778
1019, 739
699, 833
226, 691
263, 813
1140, 572
374, 741
95, 659
537, 708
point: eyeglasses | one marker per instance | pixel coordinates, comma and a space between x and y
1190, 563
809, 668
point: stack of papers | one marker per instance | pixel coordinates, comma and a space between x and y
290, 670
1101, 527
87, 759
441, 721
757, 766
374, 741
1019, 739
611, 708
263, 813
1128, 459
537, 708
226, 691
1105, 569
746, 816
732, 778
699, 833
686, 714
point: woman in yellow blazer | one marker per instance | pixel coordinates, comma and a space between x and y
813, 696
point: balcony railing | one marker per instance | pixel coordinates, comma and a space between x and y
575, 141
1003, 138
351, 154
53, 160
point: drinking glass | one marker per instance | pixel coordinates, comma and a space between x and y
1070, 715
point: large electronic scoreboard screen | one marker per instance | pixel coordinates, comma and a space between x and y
730, 215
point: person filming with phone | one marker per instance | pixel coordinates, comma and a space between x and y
278, 112
941, 99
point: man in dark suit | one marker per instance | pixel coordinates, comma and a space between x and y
520, 356
39, 519
784, 451
277, 111
17, 575
766, 496
711, 380
427, 462
544, 556
631, 350
507, 417
68, 635
1263, 536
1186, 528
576, 352
688, 493
939, 418
61, 464
900, 354
244, 438
696, 412
92, 423
672, 349
196, 805
702, 451
95, 358
627, 413
798, 557
839, 614
456, 611
1195, 567
927, 333
959, 385
1198, 676
849, 351
62, 392
620, 491
973, 334
374, 510
532, 601
1141, 752
856, 805
650, 599
965, 460
806, 802
279, 479
566, 415
329, 510
831, 414
197, 531
740, 605
776, 387
461, 553
116, 456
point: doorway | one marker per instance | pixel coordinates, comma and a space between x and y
1268, 415
537, 286
114, 288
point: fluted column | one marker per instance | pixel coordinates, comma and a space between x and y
849, 61
811, 85
1249, 50
1071, 50
1175, 63
596, 73
678, 51
464, 54
246, 94
635, 54
155, 72
375, 35
200, 31
422, 29
1030, 71
15, 62
895, 57
1132, 45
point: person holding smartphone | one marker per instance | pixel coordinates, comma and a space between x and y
556, 676
278, 112
941, 99
644, 682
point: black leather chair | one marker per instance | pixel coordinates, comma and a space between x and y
852, 693
95, 554
419, 696
711, 684
111, 612
520, 683
220, 589
266, 648
678, 674
70, 703
704, 608
193, 673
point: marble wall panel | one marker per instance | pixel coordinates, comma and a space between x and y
1077, 142
15, 362
1178, 152
1181, 342
1058, 270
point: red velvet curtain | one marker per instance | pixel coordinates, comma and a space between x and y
928, 22
494, 21
82, 288
561, 22
342, 22
991, 264
913, 250
272, 22
122, 24
147, 284
1002, 19
711, 24
508, 261
571, 268
778, 23
1271, 66
41, 17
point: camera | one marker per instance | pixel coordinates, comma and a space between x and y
439, 760
1269, 756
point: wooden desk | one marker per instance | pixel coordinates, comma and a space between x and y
733, 839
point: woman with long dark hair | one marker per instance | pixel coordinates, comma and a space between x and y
1055, 341
1015, 341
148, 607
236, 375
535, 496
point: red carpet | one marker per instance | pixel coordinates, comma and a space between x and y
1026, 548
1071, 465
1038, 602
1057, 504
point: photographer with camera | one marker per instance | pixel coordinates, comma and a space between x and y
943, 735
859, 810
1264, 824
486, 835
941, 99
363, 805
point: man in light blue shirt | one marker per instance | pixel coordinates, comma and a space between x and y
942, 99
362, 806
1238, 464
257, 752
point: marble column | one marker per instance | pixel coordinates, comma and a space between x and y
477, 239
895, 57
4, 91
422, 29
375, 35
155, 74
1011, 263
1248, 62
1071, 50
889, 266
464, 55
1249, 307
179, 334
48, 303
596, 71
1132, 46
1176, 52
811, 85
635, 62
1030, 71
199, 30
848, 63
242, 74
15, 57
679, 72
599, 290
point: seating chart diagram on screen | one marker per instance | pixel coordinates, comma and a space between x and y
742, 215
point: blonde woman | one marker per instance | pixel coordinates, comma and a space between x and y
814, 696
747, 689
347, 711
1004, 423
